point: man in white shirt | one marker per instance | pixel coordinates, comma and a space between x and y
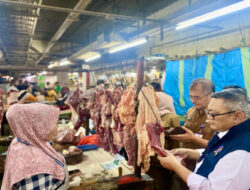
225, 162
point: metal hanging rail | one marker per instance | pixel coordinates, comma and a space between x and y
82, 12
33, 32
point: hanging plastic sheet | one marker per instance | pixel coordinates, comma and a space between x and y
229, 68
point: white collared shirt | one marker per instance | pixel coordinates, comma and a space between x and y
232, 172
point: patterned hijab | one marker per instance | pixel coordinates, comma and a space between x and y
31, 123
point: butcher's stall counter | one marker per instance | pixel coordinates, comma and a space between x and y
94, 176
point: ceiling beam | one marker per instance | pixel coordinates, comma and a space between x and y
20, 28
13, 13
82, 12
33, 32
82, 4
11, 24
35, 53
27, 68
14, 33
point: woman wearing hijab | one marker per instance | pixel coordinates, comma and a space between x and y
32, 163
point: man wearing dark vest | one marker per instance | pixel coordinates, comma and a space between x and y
224, 165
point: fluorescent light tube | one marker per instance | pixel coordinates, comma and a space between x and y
128, 45
64, 62
51, 66
94, 57
43, 73
30, 77
214, 14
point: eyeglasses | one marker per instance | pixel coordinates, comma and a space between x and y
196, 98
214, 115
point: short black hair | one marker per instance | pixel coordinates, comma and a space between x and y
230, 94
234, 87
13, 81
156, 86
100, 81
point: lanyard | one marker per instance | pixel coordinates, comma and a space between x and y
28, 144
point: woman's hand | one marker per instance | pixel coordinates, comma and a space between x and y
169, 162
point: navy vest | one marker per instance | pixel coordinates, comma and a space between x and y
237, 138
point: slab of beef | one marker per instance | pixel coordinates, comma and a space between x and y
107, 111
116, 125
105, 139
78, 101
117, 94
129, 143
127, 115
66, 136
148, 114
102, 117
91, 94
117, 130
154, 132
126, 106
96, 109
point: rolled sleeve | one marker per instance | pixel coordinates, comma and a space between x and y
196, 181
200, 150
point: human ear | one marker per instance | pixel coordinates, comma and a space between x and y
239, 116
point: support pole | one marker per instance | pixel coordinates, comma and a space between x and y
140, 82
87, 80
86, 124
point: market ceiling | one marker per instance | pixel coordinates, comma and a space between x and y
34, 33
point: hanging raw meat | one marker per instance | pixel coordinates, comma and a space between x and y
127, 115
102, 117
126, 106
66, 136
78, 100
148, 127
91, 99
116, 125
96, 109
129, 143
154, 132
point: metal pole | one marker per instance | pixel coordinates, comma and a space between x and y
83, 12
37, 68
33, 32
87, 80
140, 82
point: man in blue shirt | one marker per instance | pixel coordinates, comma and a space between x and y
225, 162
